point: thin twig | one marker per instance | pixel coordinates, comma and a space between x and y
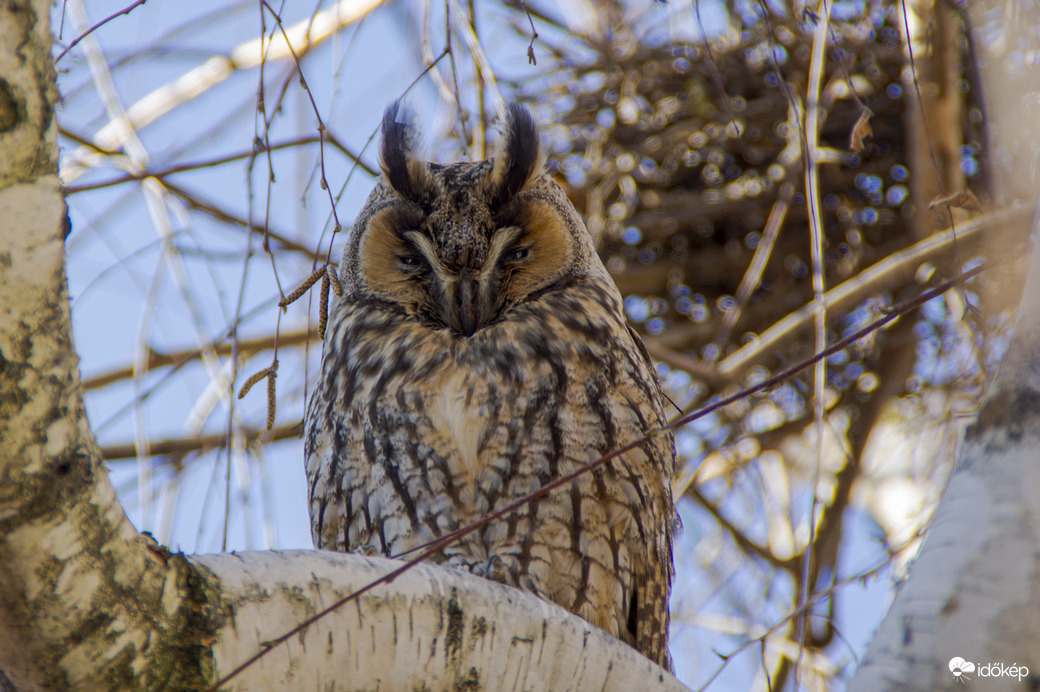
314, 108
206, 163
839, 57
753, 275
126, 10
454, 75
927, 128
194, 201
178, 358
480, 136
877, 277
534, 34
716, 76
812, 204
198, 443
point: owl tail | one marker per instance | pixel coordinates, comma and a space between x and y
649, 618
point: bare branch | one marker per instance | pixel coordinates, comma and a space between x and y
126, 10
200, 443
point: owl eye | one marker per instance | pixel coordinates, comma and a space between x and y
410, 260
516, 255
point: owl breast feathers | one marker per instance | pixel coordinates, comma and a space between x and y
480, 351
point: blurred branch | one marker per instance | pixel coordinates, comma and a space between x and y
197, 203
195, 165
304, 35
1004, 227
702, 369
194, 201
749, 546
885, 275
126, 10
181, 446
897, 355
158, 360
753, 276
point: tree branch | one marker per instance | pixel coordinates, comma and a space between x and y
431, 628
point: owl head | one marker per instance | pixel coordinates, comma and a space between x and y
456, 246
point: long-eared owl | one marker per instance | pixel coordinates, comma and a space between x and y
480, 351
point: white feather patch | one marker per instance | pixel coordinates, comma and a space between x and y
461, 427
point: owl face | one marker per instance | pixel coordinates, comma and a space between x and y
455, 246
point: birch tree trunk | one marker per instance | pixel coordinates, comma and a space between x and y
86, 602
974, 592
970, 608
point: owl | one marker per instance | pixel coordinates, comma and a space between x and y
480, 351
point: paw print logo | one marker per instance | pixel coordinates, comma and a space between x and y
960, 668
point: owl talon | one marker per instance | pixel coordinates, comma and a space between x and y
527, 584
496, 569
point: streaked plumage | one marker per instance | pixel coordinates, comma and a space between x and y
481, 350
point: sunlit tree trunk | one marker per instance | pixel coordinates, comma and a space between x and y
973, 593
935, 110
85, 601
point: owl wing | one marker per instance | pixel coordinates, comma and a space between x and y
648, 615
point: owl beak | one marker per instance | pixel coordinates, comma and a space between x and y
467, 314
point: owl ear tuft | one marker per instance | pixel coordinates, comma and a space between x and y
518, 156
405, 173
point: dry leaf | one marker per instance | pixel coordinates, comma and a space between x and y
861, 130
965, 199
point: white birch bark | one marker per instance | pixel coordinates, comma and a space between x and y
86, 602
431, 628
974, 591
